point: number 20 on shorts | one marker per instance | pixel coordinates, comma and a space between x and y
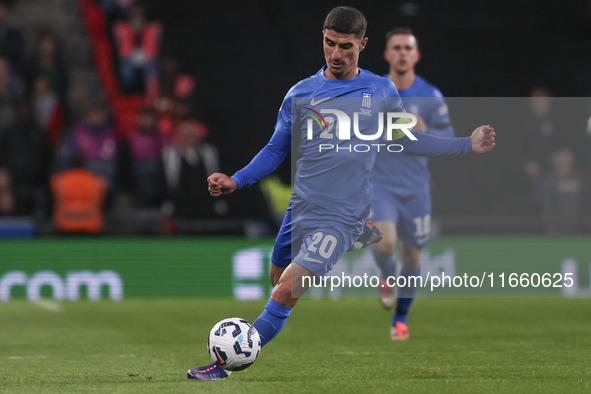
327, 246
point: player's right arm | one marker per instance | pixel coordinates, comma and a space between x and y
264, 163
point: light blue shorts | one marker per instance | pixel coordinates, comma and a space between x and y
318, 238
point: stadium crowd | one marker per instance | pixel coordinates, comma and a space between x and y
148, 175
54, 166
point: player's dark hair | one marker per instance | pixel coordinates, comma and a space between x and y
346, 20
401, 30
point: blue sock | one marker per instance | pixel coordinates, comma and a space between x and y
386, 265
406, 295
271, 321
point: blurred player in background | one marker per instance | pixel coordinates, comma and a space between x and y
401, 205
331, 192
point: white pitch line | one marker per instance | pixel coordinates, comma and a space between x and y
354, 353
52, 306
24, 357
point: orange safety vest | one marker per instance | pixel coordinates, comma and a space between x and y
124, 35
78, 196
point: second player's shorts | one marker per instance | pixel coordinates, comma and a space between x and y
411, 214
314, 237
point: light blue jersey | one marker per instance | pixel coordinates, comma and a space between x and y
336, 179
426, 100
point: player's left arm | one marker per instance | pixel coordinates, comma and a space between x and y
482, 140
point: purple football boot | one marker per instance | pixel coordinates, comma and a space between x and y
209, 372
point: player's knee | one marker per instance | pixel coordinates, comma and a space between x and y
385, 247
281, 293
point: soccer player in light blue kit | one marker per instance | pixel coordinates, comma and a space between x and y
332, 190
401, 205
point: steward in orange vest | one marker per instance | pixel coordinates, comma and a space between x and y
78, 197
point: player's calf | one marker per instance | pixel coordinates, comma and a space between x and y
387, 295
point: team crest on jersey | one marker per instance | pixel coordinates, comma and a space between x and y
365, 104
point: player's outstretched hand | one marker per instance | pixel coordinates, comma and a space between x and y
483, 139
220, 184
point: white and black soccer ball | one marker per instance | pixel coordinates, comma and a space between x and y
234, 344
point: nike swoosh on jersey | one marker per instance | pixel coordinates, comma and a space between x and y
308, 258
314, 101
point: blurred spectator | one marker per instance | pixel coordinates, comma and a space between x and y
563, 192
541, 129
116, 9
169, 69
44, 102
48, 111
172, 113
146, 146
47, 63
173, 83
538, 139
11, 40
184, 85
11, 90
187, 165
7, 117
137, 42
6, 196
95, 139
78, 197
26, 154
11, 86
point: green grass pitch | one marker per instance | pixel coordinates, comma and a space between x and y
146, 346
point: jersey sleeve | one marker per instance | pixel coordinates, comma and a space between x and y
438, 120
430, 145
265, 162
283, 124
425, 144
